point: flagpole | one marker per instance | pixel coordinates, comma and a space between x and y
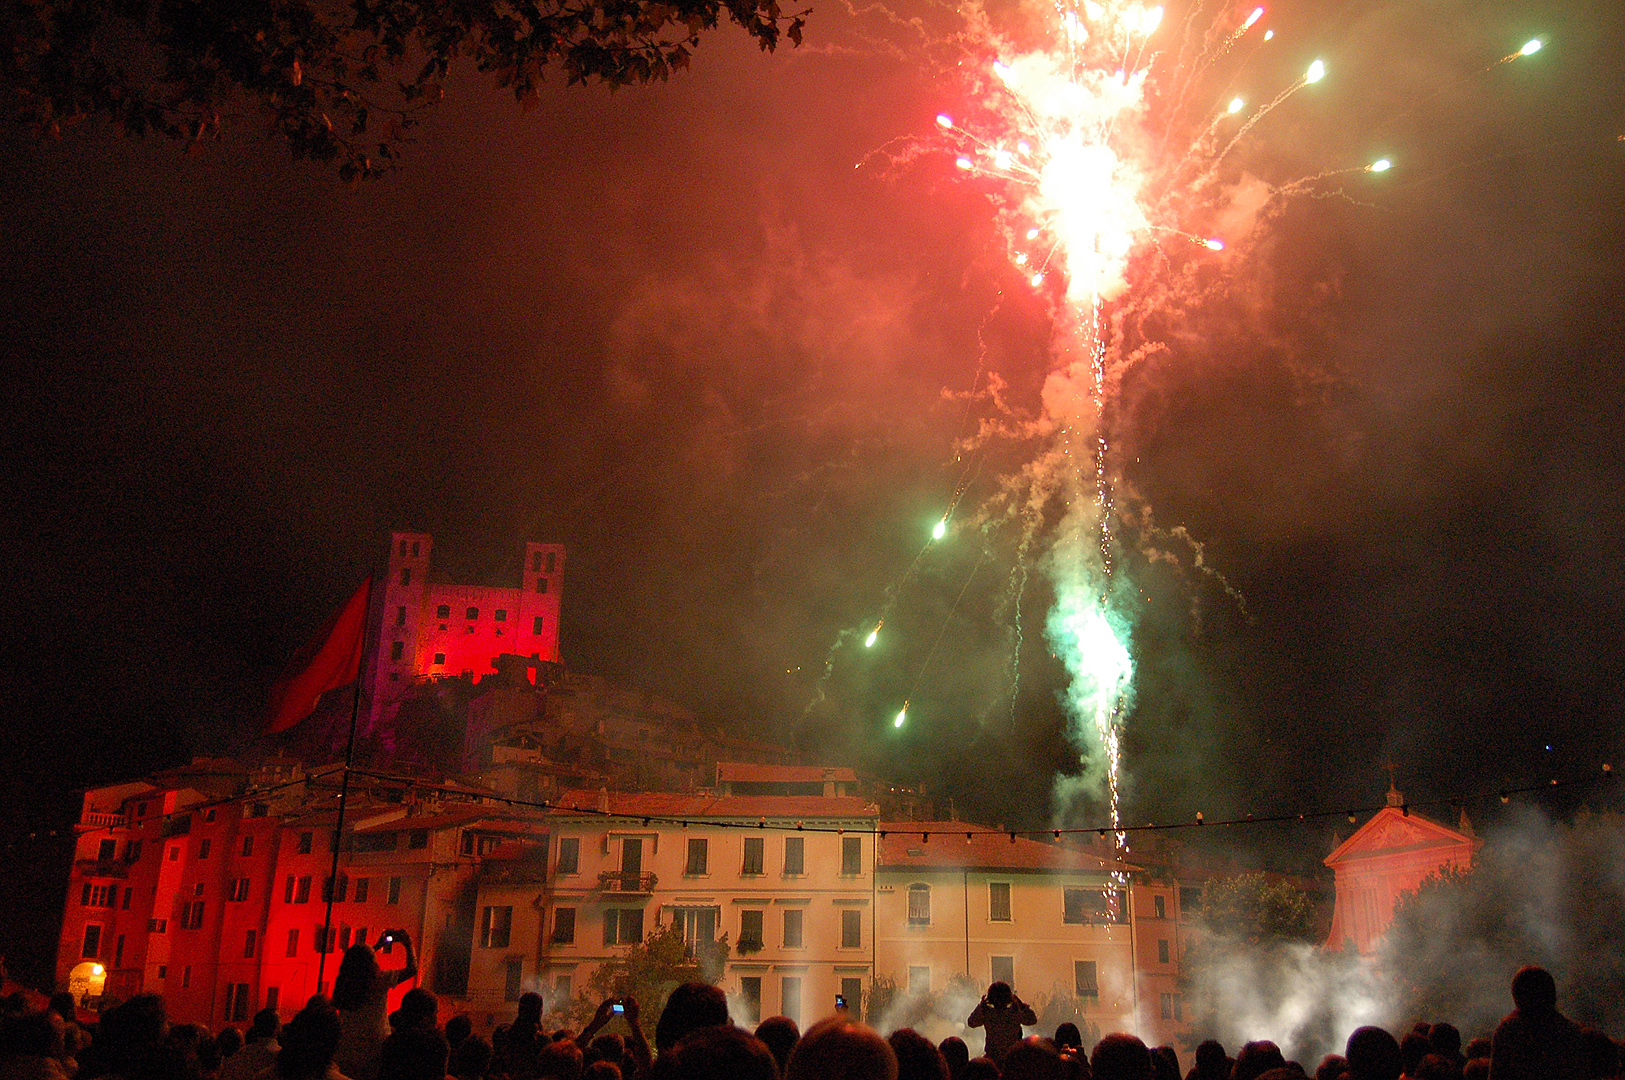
344, 792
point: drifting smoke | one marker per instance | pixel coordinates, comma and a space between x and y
1540, 893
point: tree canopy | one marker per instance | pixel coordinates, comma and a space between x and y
1257, 909
339, 82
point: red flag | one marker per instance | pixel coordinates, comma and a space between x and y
332, 660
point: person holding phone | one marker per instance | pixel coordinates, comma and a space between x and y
620, 1008
361, 996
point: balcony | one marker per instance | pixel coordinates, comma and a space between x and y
627, 884
100, 868
98, 819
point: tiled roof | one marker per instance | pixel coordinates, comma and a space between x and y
902, 845
708, 807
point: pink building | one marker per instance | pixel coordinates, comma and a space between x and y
428, 628
1389, 855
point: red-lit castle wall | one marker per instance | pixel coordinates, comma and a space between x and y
428, 629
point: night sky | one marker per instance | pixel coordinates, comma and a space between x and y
676, 328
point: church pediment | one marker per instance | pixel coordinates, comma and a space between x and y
1393, 831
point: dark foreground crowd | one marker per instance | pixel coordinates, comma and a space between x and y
695, 1040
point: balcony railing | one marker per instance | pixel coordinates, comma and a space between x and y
617, 882
107, 868
98, 819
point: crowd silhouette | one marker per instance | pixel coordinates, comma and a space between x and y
347, 1038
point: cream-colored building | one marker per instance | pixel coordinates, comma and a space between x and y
788, 878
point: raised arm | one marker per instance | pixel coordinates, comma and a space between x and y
410, 971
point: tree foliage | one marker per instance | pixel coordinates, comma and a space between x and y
651, 969
340, 81
1257, 909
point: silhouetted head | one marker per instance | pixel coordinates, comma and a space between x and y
955, 1053
1165, 1063
1412, 1049
358, 971
63, 1005
1068, 1037
1534, 990
999, 995
780, 1034
471, 1059
722, 1052
413, 1053
1120, 1056
530, 1006
1480, 1047
691, 1006
1211, 1060
559, 1059
840, 1048
1255, 1059
309, 1041
266, 1024
980, 1068
419, 1009
917, 1057
228, 1042
1372, 1054
1332, 1066
458, 1028
1033, 1058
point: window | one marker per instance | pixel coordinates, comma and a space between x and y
502, 615
397, 649
750, 929
251, 941
92, 942
851, 928
293, 942
851, 855
394, 891
208, 815
361, 889
1172, 1007
750, 997
1090, 906
118, 951
301, 892
1085, 983
403, 549
361, 935
1159, 906
919, 980
790, 997
1162, 951
552, 561
97, 895
287, 890
541, 586
157, 926
569, 856
106, 851
1190, 901
440, 658
795, 855
535, 561
473, 613
513, 978
140, 810
239, 890
563, 987
852, 991
417, 839
305, 840
795, 924
696, 856
400, 615
698, 924
998, 901
623, 926
406, 576
336, 894
325, 937
1002, 969
192, 916
537, 624
754, 846
186, 976
496, 925
564, 926
919, 905
125, 906
443, 611
132, 851
273, 996
248, 846
174, 852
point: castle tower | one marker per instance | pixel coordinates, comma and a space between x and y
398, 618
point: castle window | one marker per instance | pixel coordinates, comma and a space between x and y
440, 658
536, 626
415, 548
443, 612
541, 585
535, 561
473, 613
406, 576
551, 557
396, 649
400, 615
502, 615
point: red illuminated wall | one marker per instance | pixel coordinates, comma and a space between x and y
1388, 856
438, 629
